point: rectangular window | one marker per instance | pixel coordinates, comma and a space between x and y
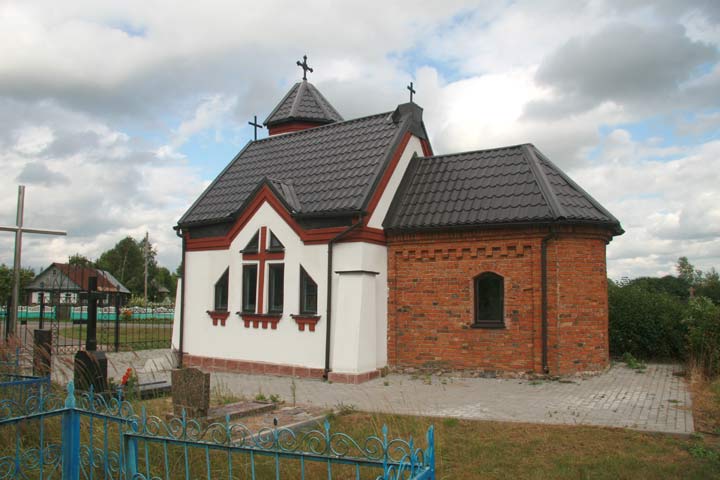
308, 294
249, 288
221, 293
489, 300
276, 278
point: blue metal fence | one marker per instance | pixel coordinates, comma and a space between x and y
94, 437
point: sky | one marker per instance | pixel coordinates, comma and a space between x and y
117, 115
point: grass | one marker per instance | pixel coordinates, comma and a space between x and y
496, 450
131, 335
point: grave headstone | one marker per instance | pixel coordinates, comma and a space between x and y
191, 392
90, 365
42, 352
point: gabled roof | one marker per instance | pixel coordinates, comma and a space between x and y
305, 103
325, 170
511, 185
75, 277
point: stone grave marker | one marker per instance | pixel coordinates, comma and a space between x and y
191, 392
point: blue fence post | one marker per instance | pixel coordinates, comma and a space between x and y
430, 452
71, 437
131, 451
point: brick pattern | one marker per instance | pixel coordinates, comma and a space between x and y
431, 300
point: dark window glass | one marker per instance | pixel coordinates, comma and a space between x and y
221, 292
308, 293
489, 300
253, 245
249, 288
275, 245
276, 277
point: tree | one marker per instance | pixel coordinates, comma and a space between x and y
687, 271
6, 282
125, 262
710, 286
78, 260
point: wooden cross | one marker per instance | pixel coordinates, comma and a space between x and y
256, 125
412, 90
306, 68
19, 229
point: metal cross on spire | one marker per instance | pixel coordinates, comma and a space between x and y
412, 90
19, 229
255, 125
306, 68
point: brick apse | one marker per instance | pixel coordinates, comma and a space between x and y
431, 301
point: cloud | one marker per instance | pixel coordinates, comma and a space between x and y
39, 173
624, 64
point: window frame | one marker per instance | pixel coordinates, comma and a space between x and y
225, 277
246, 306
250, 248
488, 323
272, 269
304, 278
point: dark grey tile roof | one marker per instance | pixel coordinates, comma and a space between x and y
303, 102
321, 170
491, 187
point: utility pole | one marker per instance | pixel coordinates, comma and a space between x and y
18, 229
147, 254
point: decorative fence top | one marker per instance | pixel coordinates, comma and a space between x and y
397, 458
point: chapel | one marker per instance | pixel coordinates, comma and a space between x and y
336, 248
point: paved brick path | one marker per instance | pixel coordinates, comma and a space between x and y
655, 400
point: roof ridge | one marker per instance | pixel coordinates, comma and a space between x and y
323, 102
556, 209
508, 147
296, 101
575, 186
313, 129
281, 102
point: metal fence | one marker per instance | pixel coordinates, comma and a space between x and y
118, 328
95, 437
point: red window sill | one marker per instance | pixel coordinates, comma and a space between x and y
260, 319
306, 320
218, 315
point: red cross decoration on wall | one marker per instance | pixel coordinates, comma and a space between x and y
262, 257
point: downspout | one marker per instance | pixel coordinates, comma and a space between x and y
544, 294
182, 301
328, 314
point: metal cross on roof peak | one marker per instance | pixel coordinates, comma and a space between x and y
255, 125
412, 90
306, 68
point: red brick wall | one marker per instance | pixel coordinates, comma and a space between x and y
431, 300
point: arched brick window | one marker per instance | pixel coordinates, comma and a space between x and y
489, 301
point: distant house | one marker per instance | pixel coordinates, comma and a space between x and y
61, 283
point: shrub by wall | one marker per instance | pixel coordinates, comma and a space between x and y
646, 323
703, 335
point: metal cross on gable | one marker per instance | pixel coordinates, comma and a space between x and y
306, 68
19, 229
412, 90
255, 125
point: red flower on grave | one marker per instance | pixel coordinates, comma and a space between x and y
126, 377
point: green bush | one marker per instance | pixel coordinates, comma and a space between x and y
646, 323
703, 335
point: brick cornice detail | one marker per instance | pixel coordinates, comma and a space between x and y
257, 319
306, 320
220, 316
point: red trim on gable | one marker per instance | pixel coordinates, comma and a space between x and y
380, 189
292, 127
426, 148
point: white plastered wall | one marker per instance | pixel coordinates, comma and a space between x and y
413, 146
286, 345
359, 317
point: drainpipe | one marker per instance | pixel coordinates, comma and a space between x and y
544, 294
328, 314
182, 301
